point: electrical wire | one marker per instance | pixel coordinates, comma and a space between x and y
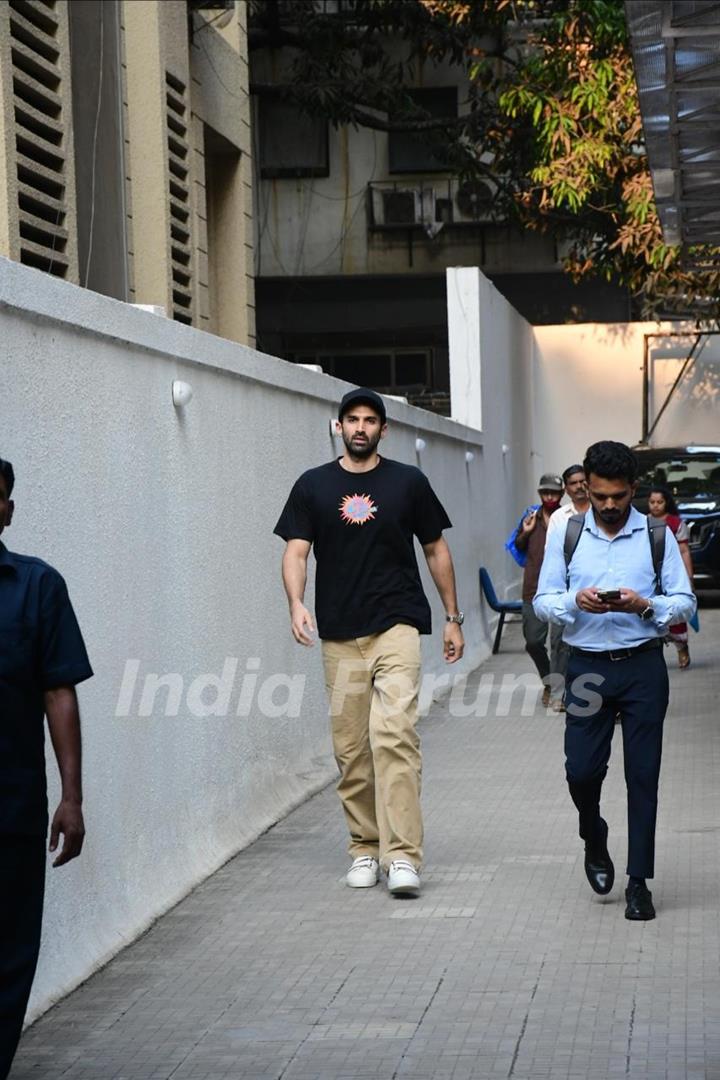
94, 145
343, 236
308, 193
265, 195
264, 192
345, 230
218, 76
209, 22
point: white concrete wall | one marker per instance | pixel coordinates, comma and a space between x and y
589, 386
492, 384
549, 392
161, 521
692, 414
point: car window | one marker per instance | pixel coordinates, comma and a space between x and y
684, 474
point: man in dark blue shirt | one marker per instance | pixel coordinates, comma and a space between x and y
42, 658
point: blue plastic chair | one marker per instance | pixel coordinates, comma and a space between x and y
503, 607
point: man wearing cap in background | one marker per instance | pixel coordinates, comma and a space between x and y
527, 546
360, 514
576, 490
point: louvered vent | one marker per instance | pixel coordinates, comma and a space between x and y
179, 190
39, 135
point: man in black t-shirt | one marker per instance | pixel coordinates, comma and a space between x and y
42, 658
360, 515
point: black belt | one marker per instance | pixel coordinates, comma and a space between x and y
617, 654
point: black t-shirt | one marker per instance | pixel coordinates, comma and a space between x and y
41, 648
361, 526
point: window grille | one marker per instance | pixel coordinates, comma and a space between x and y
41, 141
179, 196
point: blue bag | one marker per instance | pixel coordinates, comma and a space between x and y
520, 557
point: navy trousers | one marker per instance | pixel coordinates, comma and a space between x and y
22, 886
597, 689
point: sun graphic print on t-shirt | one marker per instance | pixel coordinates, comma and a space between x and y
357, 509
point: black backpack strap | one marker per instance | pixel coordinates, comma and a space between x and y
657, 531
573, 533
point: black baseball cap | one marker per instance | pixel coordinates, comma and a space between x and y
363, 396
550, 482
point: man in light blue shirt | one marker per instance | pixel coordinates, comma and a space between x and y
615, 612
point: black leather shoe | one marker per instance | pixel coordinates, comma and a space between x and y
599, 868
639, 901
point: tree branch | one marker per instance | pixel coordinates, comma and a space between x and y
356, 114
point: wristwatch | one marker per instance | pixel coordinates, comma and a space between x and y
459, 618
647, 613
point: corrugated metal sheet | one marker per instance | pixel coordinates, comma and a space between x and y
676, 51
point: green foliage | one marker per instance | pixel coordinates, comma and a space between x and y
552, 102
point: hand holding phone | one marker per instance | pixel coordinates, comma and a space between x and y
605, 595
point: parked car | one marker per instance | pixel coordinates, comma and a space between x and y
693, 475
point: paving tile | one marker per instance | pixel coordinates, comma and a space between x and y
507, 966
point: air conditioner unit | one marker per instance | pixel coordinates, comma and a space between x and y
474, 201
401, 206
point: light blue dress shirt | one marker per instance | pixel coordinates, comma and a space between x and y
623, 561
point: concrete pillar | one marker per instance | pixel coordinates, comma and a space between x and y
160, 151
466, 289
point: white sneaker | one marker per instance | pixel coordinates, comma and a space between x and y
363, 873
403, 878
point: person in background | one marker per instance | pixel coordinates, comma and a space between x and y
662, 507
42, 658
526, 544
576, 490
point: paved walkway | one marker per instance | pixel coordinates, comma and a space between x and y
507, 966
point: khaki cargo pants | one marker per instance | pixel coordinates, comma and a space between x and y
373, 684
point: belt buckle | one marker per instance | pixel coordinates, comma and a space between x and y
619, 654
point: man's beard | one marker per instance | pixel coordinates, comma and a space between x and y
363, 450
610, 517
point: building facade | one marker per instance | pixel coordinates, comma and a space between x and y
356, 227
125, 157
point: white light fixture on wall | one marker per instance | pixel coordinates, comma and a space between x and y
182, 393
469, 456
334, 427
420, 445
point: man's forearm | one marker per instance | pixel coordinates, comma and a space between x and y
522, 539
63, 717
441, 569
294, 575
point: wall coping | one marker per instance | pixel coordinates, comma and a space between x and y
51, 300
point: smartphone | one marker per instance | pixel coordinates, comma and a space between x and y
608, 594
